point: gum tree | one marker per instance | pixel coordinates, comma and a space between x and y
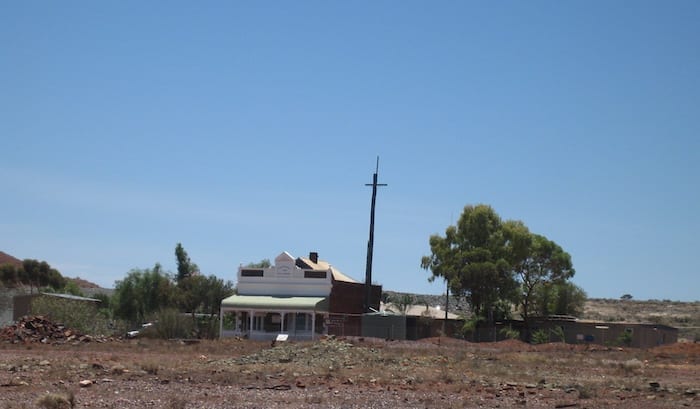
472, 258
496, 264
536, 262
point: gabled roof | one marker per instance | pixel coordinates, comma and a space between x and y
324, 265
284, 256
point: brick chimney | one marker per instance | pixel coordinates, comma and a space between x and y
313, 256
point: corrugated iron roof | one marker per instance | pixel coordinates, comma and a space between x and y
419, 310
324, 265
267, 302
72, 297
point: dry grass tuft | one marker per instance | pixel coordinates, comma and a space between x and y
57, 401
177, 402
587, 391
150, 367
314, 399
632, 366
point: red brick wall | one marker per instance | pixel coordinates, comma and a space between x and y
348, 298
346, 306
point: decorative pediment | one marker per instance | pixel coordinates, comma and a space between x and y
284, 258
284, 278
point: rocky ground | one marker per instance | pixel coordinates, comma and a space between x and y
343, 373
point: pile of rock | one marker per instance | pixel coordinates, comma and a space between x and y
38, 328
329, 353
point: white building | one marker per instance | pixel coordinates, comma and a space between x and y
291, 297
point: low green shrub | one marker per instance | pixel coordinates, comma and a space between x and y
509, 332
170, 323
541, 336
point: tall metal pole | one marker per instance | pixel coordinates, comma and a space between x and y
447, 306
370, 242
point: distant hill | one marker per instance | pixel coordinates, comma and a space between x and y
87, 287
82, 283
8, 259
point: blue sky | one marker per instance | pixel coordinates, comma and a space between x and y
244, 129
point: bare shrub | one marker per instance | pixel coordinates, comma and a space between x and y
314, 399
150, 367
586, 391
177, 402
173, 324
632, 366
56, 401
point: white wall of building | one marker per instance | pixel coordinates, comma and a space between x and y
284, 278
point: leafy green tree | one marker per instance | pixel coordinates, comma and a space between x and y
193, 291
39, 274
403, 302
217, 290
204, 294
127, 305
200, 294
30, 273
56, 280
105, 300
72, 288
142, 293
8, 274
264, 263
559, 298
536, 261
185, 267
472, 257
569, 299
105, 305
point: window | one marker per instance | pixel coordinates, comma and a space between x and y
257, 323
301, 322
314, 274
251, 273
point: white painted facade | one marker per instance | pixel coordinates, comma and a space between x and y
284, 278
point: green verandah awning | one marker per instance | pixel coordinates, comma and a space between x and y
267, 302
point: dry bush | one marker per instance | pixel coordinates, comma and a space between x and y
632, 366
150, 367
629, 367
57, 401
176, 402
314, 399
172, 324
587, 391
